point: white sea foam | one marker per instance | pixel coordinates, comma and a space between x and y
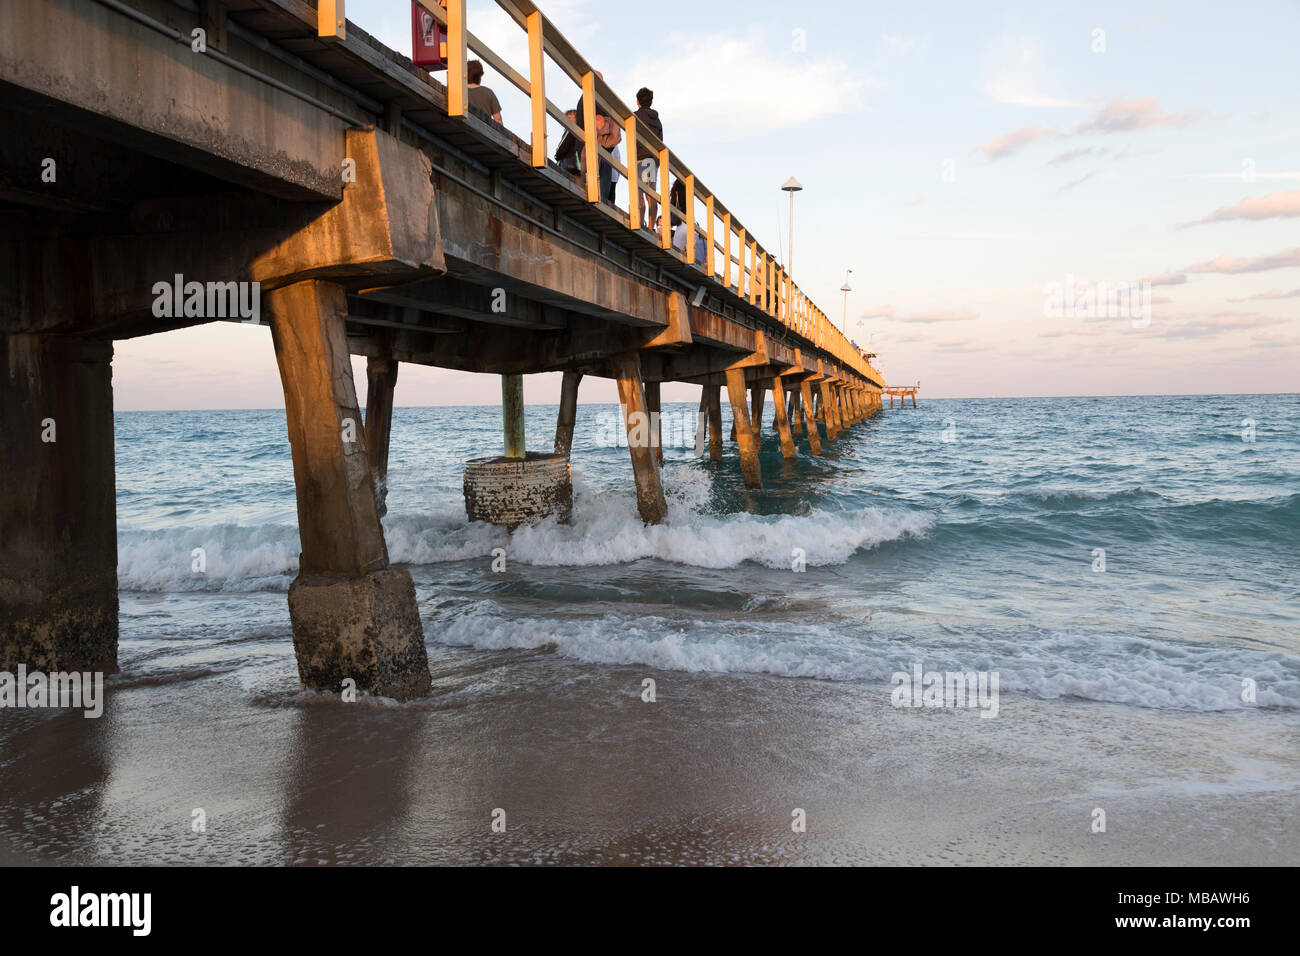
605, 530
235, 558
1091, 667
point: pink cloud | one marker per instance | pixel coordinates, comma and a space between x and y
1272, 206
940, 315
1125, 116
1001, 146
1231, 265
1169, 278
1270, 294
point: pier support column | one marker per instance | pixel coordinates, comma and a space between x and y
631, 395
702, 421
568, 416
756, 395
792, 411
381, 381
714, 393
809, 421
353, 616
512, 415
745, 439
656, 425
782, 422
828, 411
58, 505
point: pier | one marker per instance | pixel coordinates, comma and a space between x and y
166, 163
903, 392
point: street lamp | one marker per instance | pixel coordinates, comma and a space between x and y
791, 186
844, 322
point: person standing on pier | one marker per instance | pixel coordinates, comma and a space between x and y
646, 163
481, 97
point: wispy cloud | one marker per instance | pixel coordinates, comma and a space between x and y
1247, 176
1218, 323
700, 77
1001, 146
1168, 278
1275, 340
924, 317
1231, 265
1079, 182
1071, 155
1272, 206
1013, 75
1270, 294
940, 315
1126, 116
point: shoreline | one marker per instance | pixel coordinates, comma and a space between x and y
588, 773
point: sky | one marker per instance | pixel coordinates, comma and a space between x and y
981, 168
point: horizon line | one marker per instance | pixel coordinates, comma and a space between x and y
944, 398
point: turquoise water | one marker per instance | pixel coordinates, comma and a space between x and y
962, 534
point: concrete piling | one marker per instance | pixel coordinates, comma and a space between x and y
654, 410
746, 441
353, 616
58, 517
650, 501
782, 422
512, 413
809, 421
568, 416
381, 381
715, 421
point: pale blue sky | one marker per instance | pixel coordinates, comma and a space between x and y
957, 157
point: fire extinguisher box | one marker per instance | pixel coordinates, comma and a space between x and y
427, 45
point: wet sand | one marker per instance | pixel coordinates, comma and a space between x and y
588, 773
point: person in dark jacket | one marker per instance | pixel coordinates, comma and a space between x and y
647, 164
566, 155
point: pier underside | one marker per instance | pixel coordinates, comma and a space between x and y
407, 237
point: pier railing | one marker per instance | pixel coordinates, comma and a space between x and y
735, 258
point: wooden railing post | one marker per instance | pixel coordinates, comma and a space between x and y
726, 250
689, 223
708, 261
665, 205
633, 183
457, 81
590, 140
537, 86
331, 22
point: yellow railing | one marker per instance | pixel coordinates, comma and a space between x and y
751, 273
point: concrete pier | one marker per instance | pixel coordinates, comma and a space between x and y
650, 501
314, 179
381, 381
568, 415
58, 518
782, 422
809, 419
746, 440
353, 616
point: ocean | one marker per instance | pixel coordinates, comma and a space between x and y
1129, 567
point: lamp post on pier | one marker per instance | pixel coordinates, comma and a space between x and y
846, 289
791, 186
